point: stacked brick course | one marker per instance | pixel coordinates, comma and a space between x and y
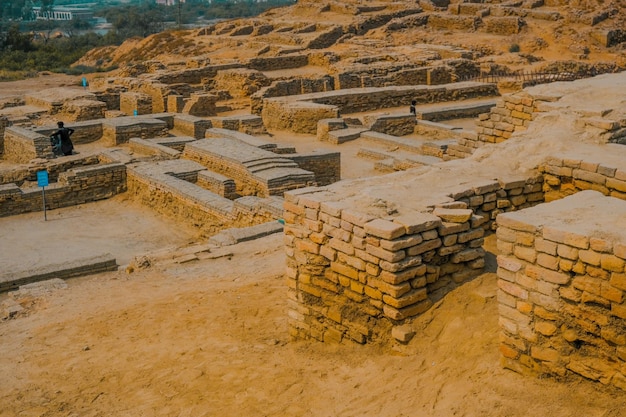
561, 283
76, 186
565, 176
353, 275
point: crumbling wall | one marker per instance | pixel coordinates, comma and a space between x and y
561, 286
325, 165
22, 145
353, 275
76, 186
565, 176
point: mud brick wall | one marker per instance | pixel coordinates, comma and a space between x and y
218, 184
289, 88
22, 145
396, 125
508, 25
446, 21
151, 148
53, 166
191, 125
564, 176
246, 184
82, 109
139, 102
352, 276
84, 132
182, 201
278, 62
325, 165
561, 283
301, 114
299, 117
120, 130
476, 9
76, 186
240, 82
248, 123
175, 103
193, 75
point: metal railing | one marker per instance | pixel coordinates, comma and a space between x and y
530, 77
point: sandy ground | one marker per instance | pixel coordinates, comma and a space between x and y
210, 338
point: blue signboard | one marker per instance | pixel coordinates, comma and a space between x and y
42, 178
84, 82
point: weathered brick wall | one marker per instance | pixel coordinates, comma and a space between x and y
299, 117
447, 21
289, 88
54, 167
246, 184
167, 199
218, 184
132, 102
565, 176
240, 82
514, 113
121, 129
247, 123
507, 25
397, 124
302, 113
191, 125
193, 75
325, 165
352, 276
76, 186
561, 283
22, 145
278, 62
176, 196
84, 132
201, 105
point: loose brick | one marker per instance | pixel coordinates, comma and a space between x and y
407, 299
453, 215
384, 229
418, 222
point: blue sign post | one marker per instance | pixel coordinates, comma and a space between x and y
42, 181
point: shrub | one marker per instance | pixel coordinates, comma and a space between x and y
514, 48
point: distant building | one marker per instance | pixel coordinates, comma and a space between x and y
169, 2
63, 13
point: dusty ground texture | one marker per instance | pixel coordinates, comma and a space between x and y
209, 338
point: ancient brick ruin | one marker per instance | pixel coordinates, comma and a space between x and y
193, 140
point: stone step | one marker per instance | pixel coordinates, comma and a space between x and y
345, 135
79, 267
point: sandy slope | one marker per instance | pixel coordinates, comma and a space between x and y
210, 338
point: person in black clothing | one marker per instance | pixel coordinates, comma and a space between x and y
64, 134
412, 109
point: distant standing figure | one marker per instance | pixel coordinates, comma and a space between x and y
64, 134
412, 108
